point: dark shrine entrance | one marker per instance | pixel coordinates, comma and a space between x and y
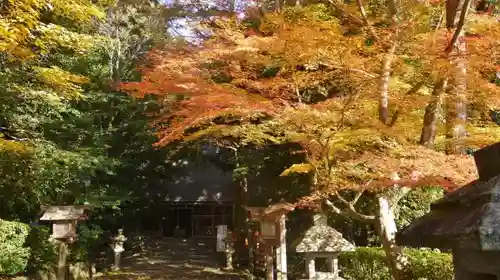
195, 219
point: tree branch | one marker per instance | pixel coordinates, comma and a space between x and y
361, 71
349, 212
362, 11
345, 12
460, 26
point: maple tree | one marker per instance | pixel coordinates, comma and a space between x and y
358, 91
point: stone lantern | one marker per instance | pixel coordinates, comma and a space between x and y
118, 249
229, 249
322, 241
64, 219
466, 222
272, 226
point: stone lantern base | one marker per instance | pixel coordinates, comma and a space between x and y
324, 276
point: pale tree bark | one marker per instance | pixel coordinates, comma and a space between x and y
383, 220
367, 23
387, 229
456, 117
385, 75
431, 116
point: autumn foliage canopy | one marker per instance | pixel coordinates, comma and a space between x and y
313, 75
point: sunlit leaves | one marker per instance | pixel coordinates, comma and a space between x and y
61, 82
21, 23
297, 168
52, 37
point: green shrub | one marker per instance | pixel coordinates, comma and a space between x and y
429, 265
368, 263
13, 254
88, 239
43, 252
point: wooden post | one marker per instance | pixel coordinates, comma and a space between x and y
281, 262
62, 261
251, 252
269, 262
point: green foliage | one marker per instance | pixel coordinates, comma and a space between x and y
319, 13
431, 265
416, 204
14, 255
43, 252
88, 238
368, 263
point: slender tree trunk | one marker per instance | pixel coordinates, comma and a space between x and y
241, 221
456, 117
386, 228
431, 116
117, 66
241, 215
385, 74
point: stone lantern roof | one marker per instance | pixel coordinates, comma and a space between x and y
321, 238
468, 218
64, 213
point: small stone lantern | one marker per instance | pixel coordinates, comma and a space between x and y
229, 249
322, 241
118, 248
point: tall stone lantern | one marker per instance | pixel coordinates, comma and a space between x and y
64, 221
272, 224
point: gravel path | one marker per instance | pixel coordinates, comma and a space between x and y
172, 259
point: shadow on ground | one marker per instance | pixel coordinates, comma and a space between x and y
172, 259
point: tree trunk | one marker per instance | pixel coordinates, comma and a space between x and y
117, 66
386, 228
241, 222
431, 116
385, 74
456, 117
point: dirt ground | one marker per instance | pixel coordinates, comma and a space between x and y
177, 259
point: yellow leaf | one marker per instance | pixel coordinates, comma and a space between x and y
297, 168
